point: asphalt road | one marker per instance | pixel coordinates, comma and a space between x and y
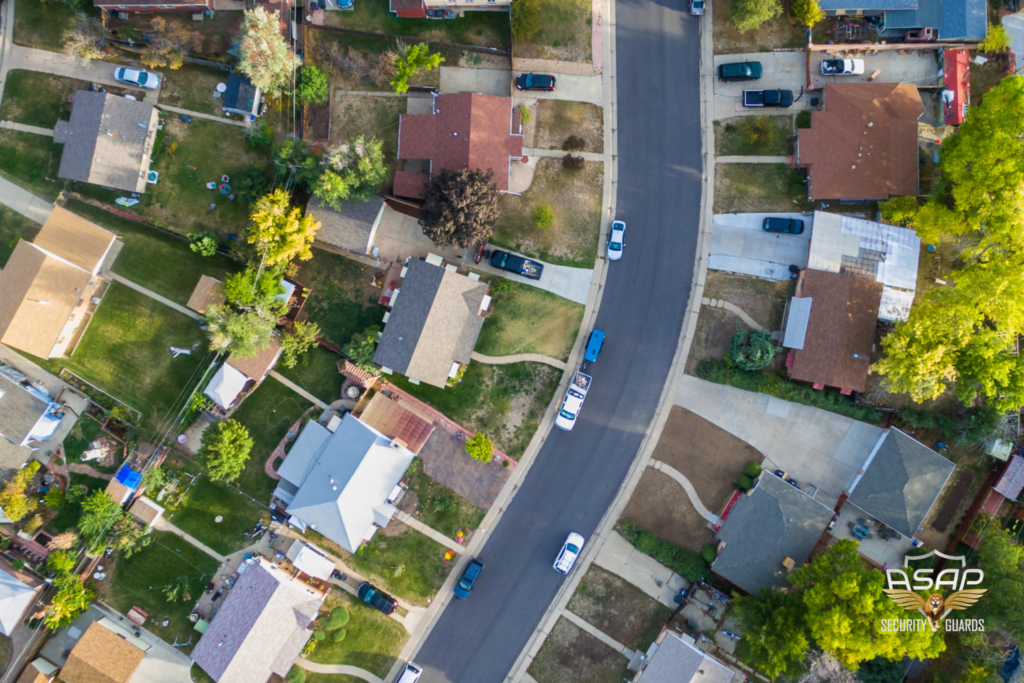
577, 474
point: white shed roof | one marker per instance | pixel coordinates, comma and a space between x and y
226, 385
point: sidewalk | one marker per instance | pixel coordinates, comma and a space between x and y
428, 532
297, 389
23, 201
337, 669
200, 115
163, 525
752, 160
11, 125
519, 358
558, 154
153, 295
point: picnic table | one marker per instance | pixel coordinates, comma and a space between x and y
859, 531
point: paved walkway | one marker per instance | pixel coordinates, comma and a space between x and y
599, 634
153, 295
24, 202
519, 358
752, 160
734, 309
558, 154
569, 283
24, 128
297, 389
72, 67
338, 669
201, 115
163, 525
691, 493
429, 532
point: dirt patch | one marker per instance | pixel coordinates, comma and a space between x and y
618, 608
743, 188
715, 326
780, 32
476, 60
953, 500
394, 528
570, 655
660, 504
558, 119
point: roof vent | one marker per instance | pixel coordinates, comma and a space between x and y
870, 124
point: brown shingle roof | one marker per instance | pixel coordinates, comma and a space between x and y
466, 130
411, 184
863, 145
145, 511
844, 310
392, 419
74, 239
101, 656
259, 365
358, 376
208, 292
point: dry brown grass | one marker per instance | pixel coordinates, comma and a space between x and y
780, 32
618, 608
353, 115
570, 655
557, 119
565, 32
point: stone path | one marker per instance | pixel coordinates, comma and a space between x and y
734, 309
278, 452
519, 358
338, 669
752, 160
297, 389
11, 125
200, 115
429, 532
88, 471
691, 493
558, 154
153, 295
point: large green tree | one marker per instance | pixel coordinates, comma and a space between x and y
225, 450
71, 600
353, 170
263, 54
99, 515
747, 15
1003, 563
775, 636
241, 332
15, 503
410, 60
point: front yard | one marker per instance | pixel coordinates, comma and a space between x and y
525, 319
31, 161
618, 608
571, 655
565, 32
558, 119
328, 49
373, 641
490, 29
409, 565
779, 32
38, 99
439, 507
741, 188
754, 136
14, 226
575, 199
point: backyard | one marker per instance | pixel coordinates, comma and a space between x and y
38, 99
571, 655
353, 115
439, 507
86, 430
373, 641
317, 372
618, 608
67, 516
556, 120
574, 197
327, 48
192, 86
42, 25
525, 319
409, 565
205, 502
760, 187
14, 227
31, 161
473, 28
754, 136
565, 32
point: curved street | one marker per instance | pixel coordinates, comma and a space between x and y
577, 474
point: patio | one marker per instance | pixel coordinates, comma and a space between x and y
875, 548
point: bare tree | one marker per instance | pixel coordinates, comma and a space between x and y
822, 667
85, 38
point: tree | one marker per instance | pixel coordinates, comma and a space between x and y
60, 562
64, 541
899, 210
845, 604
177, 590
240, 332
1003, 562
280, 231
203, 243
154, 479
261, 134
294, 162
806, 12
752, 350
526, 19
251, 184
253, 287
263, 54
33, 525
71, 600
410, 60
460, 208
54, 499
171, 43
129, 537
225, 449
314, 85
361, 348
85, 38
352, 170
997, 40
544, 217
99, 514
16, 505
303, 337
775, 635
749, 14
480, 447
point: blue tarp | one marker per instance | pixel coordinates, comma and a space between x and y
128, 477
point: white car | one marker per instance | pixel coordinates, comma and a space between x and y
137, 77
573, 401
842, 67
615, 243
571, 549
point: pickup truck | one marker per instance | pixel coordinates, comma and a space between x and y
573, 401
768, 98
516, 264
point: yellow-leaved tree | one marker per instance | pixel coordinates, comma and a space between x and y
280, 231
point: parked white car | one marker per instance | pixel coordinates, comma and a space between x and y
571, 549
842, 67
137, 77
615, 240
572, 404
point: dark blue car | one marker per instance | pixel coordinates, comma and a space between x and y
468, 580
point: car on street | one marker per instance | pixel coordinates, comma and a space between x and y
571, 549
535, 82
572, 404
768, 98
469, 577
697, 7
788, 226
842, 67
615, 237
137, 77
411, 674
376, 598
739, 71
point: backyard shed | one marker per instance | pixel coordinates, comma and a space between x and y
207, 293
241, 97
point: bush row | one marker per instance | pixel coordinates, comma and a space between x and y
683, 561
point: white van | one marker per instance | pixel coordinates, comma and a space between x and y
411, 674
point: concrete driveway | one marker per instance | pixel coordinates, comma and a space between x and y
784, 70
568, 87
920, 67
484, 81
739, 245
73, 67
570, 283
818, 448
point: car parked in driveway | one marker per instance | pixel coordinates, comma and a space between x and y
842, 67
739, 71
788, 226
615, 243
768, 98
137, 77
571, 549
376, 598
535, 82
469, 578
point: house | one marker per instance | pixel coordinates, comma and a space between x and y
437, 8
769, 530
433, 324
261, 628
352, 228
18, 590
885, 253
829, 327
339, 483
241, 97
863, 144
240, 374
108, 141
398, 419
1008, 485
27, 414
952, 20
106, 653
159, 6
956, 85
49, 284
146, 512
209, 292
38, 671
676, 659
463, 131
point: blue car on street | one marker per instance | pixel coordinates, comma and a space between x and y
469, 578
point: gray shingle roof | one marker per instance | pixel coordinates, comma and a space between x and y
108, 140
19, 410
350, 228
774, 522
676, 661
963, 20
901, 482
869, 5
435, 321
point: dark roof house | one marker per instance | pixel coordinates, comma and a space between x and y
771, 530
434, 323
901, 481
863, 143
107, 141
241, 97
155, 5
260, 629
955, 20
464, 131
676, 659
352, 227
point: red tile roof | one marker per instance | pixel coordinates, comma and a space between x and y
408, 8
466, 130
411, 184
956, 80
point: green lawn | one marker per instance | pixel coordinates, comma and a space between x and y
43, 25
373, 641
760, 187
66, 518
146, 253
14, 227
38, 99
341, 302
205, 501
85, 431
312, 677
192, 86
754, 136
530, 320
317, 372
565, 32
410, 566
31, 161
465, 515
139, 581
267, 413
490, 29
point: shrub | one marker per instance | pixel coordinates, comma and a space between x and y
752, 469
899, 210
319, 635
526, 19
760, 132
339, 635
18, 564
54, 499
444, 502
745, 482
709, 551
261, 134
203, 243
296, 675
524, 114
574, 143
480, 448
544, 217
502, 286
572, 163
752, 350
685, 562
806, 12
803, 119
338, 618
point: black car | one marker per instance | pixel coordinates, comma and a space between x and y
739, 71
376, 598
535, 82
789, 226
768, 98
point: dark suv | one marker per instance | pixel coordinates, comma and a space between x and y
469, 578
789, 226
376, 598
535, 82
739, 71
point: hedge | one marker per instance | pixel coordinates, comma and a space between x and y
683, 561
